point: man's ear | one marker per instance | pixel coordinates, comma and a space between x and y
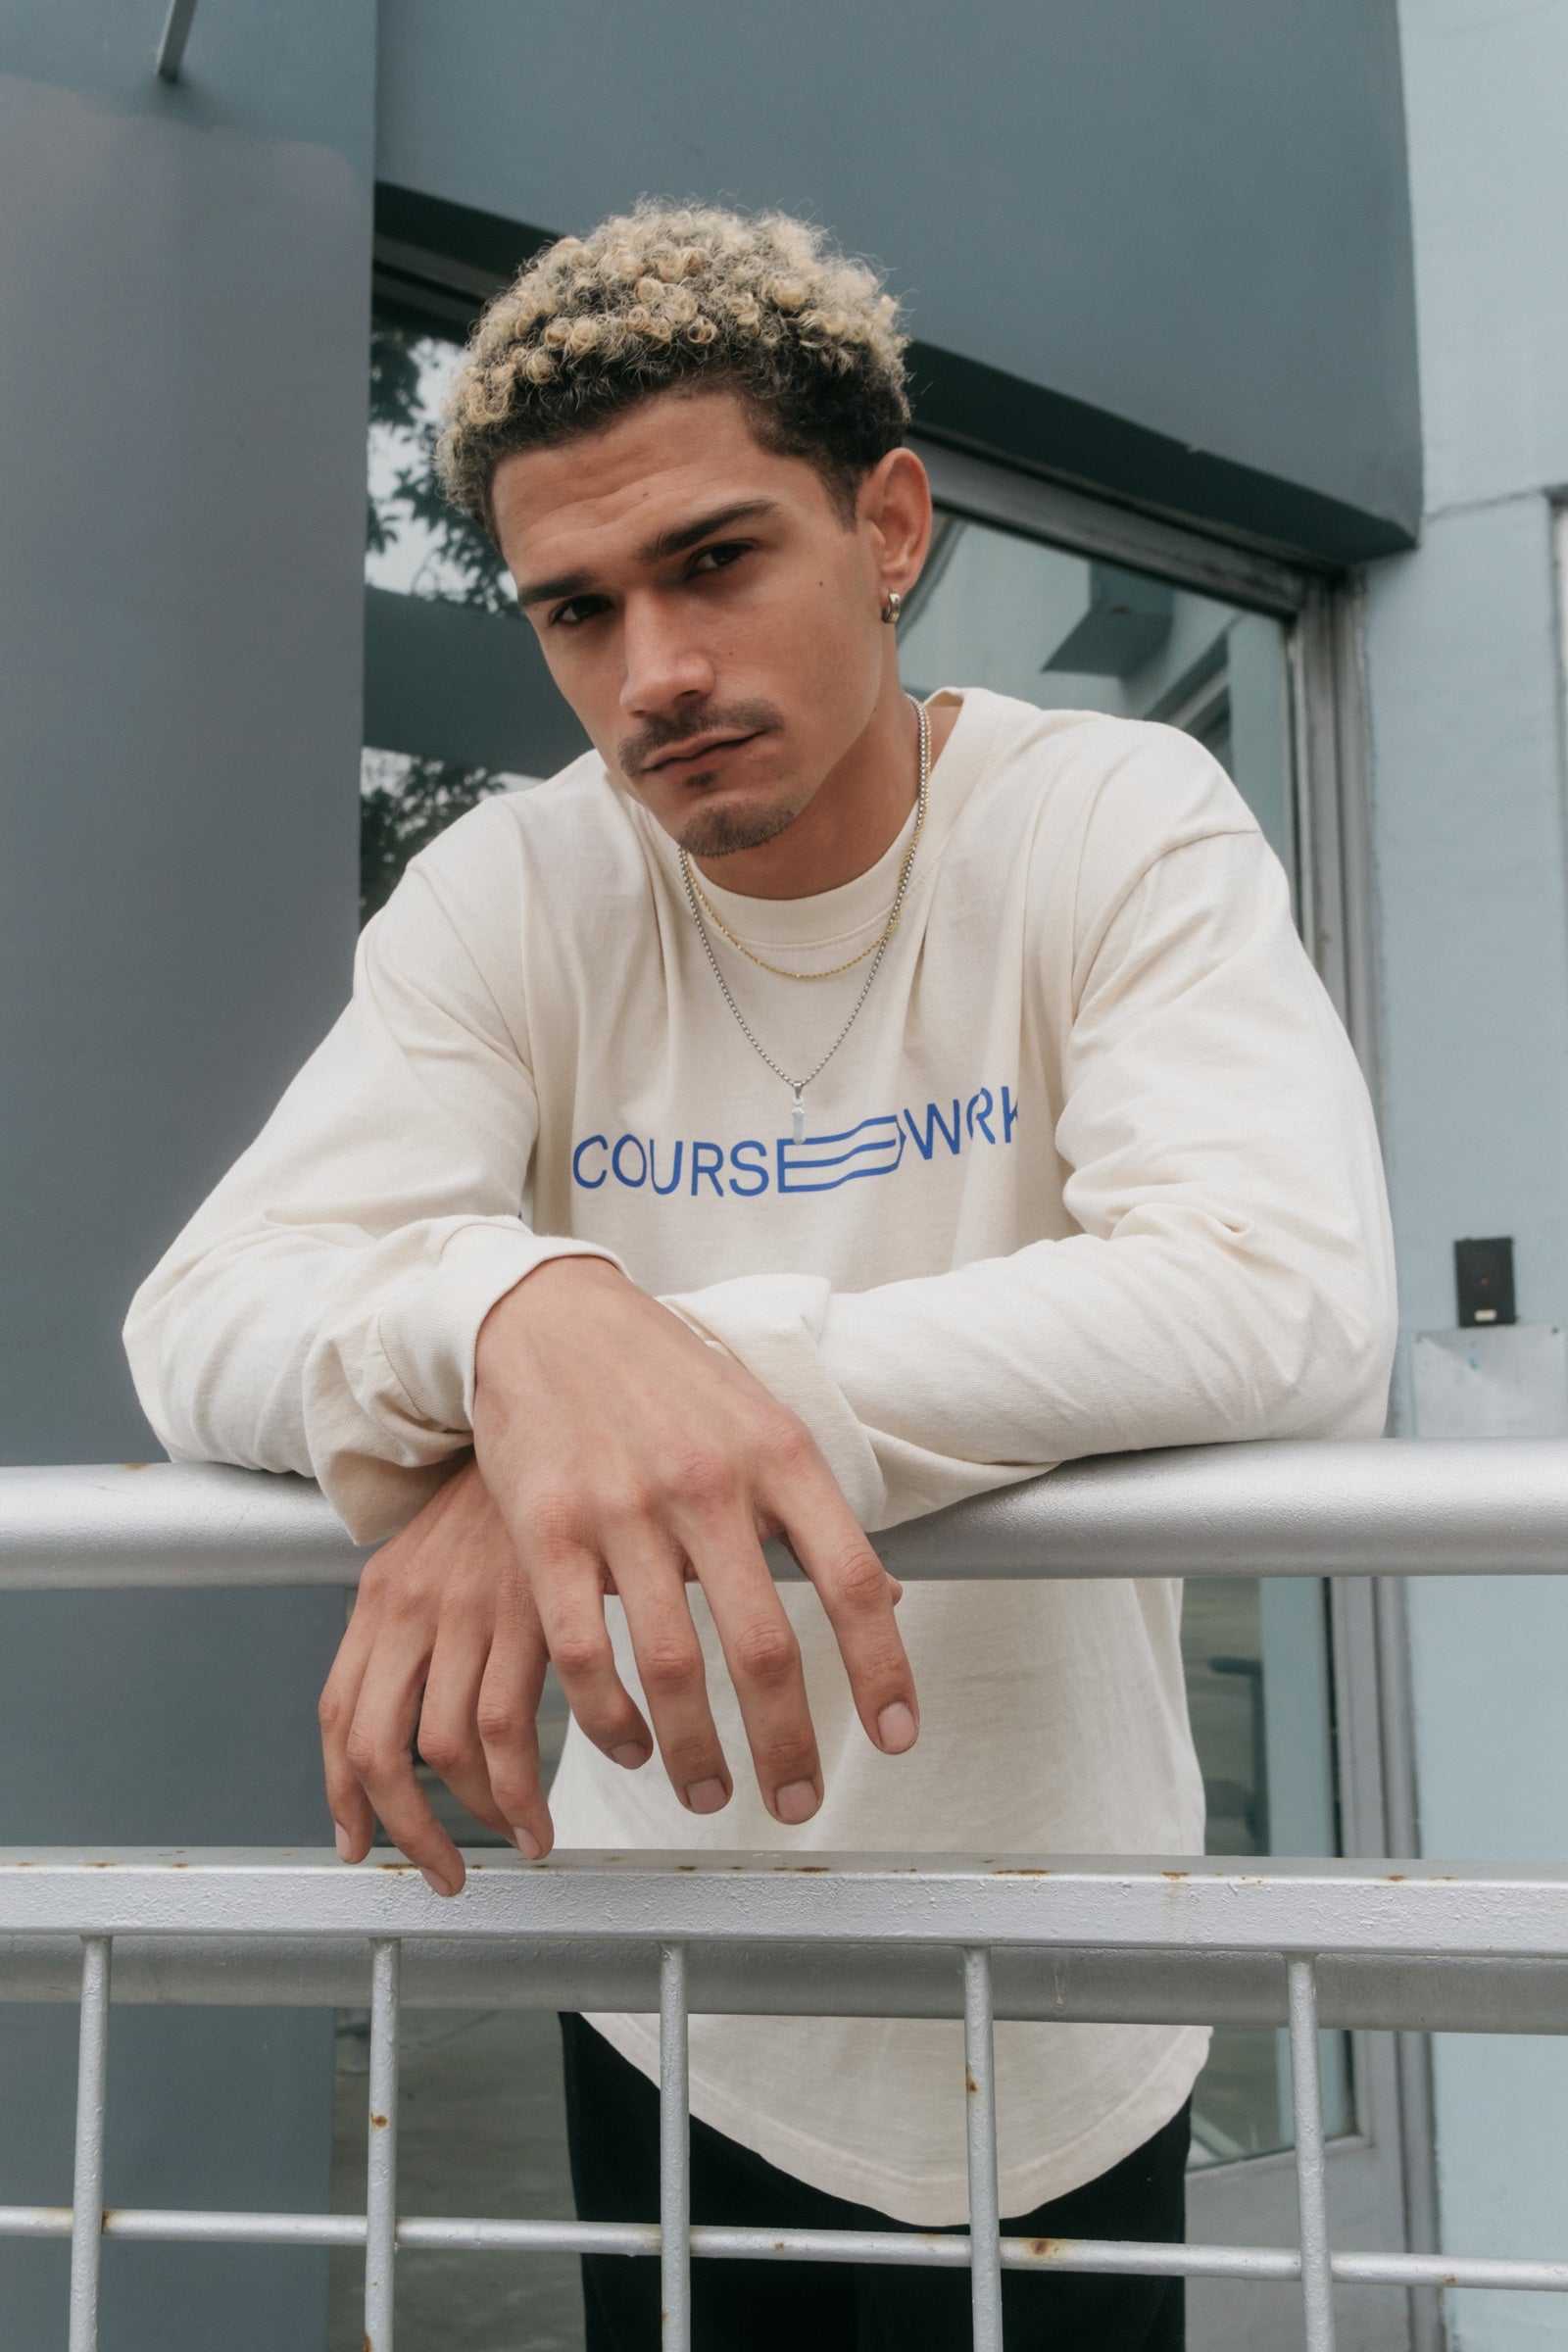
894, 505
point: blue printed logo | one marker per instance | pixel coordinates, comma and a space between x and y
875, 1146
874, 1149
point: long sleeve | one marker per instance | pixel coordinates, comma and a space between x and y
1233, 1274
531, 1033
319, 1313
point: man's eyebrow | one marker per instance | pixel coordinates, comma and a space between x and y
655, 551
545, 592
689, 534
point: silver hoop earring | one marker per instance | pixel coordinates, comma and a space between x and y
894, 607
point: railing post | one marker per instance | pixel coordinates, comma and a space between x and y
381, 2155
675, 2153
980, 2111
87, 2192
1317, 2276
176, 33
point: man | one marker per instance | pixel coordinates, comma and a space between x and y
804, 1111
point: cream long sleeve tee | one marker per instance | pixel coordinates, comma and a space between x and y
1093, 1169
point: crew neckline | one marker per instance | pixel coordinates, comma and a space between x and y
832, 918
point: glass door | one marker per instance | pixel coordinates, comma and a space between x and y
1070, 631
1281, 1735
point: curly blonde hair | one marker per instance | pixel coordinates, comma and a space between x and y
669, 296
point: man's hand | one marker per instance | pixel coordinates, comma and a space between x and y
443, 1637
615, 1451
623, 1452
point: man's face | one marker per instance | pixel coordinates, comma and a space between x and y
703, 608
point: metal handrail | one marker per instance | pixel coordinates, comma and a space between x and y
1373, 1506
1481, 1947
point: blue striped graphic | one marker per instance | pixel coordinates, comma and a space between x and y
873, 1148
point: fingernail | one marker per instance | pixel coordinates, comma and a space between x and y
436, 1884
631, 1754
706, 1796
895, 1727
526, 1844
796, 1803
345, 1843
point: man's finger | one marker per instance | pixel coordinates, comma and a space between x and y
448, 1737
352, 1820
569, 1598
670, 1664
763, 1658
858, 1598
507, 1716
380, 1751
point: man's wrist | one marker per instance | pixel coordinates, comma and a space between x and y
537, 1290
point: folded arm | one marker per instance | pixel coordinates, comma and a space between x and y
355, 1301
319, 1311
324, 1310
1232, 1276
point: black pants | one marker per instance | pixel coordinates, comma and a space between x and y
613, 2124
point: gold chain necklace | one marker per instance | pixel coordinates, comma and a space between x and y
798, 1086
778, 971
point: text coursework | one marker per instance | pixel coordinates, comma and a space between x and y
875, 1146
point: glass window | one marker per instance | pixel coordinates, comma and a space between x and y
457, 702
1065, 631
1070, 633
415, 543
1258, 1692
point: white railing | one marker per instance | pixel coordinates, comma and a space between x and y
1310, 1944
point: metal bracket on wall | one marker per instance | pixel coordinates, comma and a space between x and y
176, 33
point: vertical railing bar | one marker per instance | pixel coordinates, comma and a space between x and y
87, 2192
980, 2110
1317, 2277
176, 33
381, 2159
675, 2153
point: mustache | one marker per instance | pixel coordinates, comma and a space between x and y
717, 718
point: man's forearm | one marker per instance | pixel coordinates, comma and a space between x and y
921, 1392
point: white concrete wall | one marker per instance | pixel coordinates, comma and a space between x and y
1465, 681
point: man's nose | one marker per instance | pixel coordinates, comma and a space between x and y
665, 664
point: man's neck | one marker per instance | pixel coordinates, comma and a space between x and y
853, 818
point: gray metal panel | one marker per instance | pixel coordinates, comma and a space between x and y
183, 403
1018, 502
1194, 219
446, 682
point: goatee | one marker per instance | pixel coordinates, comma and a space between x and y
722, 832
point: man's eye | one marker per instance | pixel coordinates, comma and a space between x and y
721, 557
575, 610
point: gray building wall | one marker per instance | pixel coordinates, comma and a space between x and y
1465, 675
182, 396
1164, 249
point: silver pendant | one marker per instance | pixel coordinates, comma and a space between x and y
798, 1117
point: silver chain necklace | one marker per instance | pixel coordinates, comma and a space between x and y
798, 1086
